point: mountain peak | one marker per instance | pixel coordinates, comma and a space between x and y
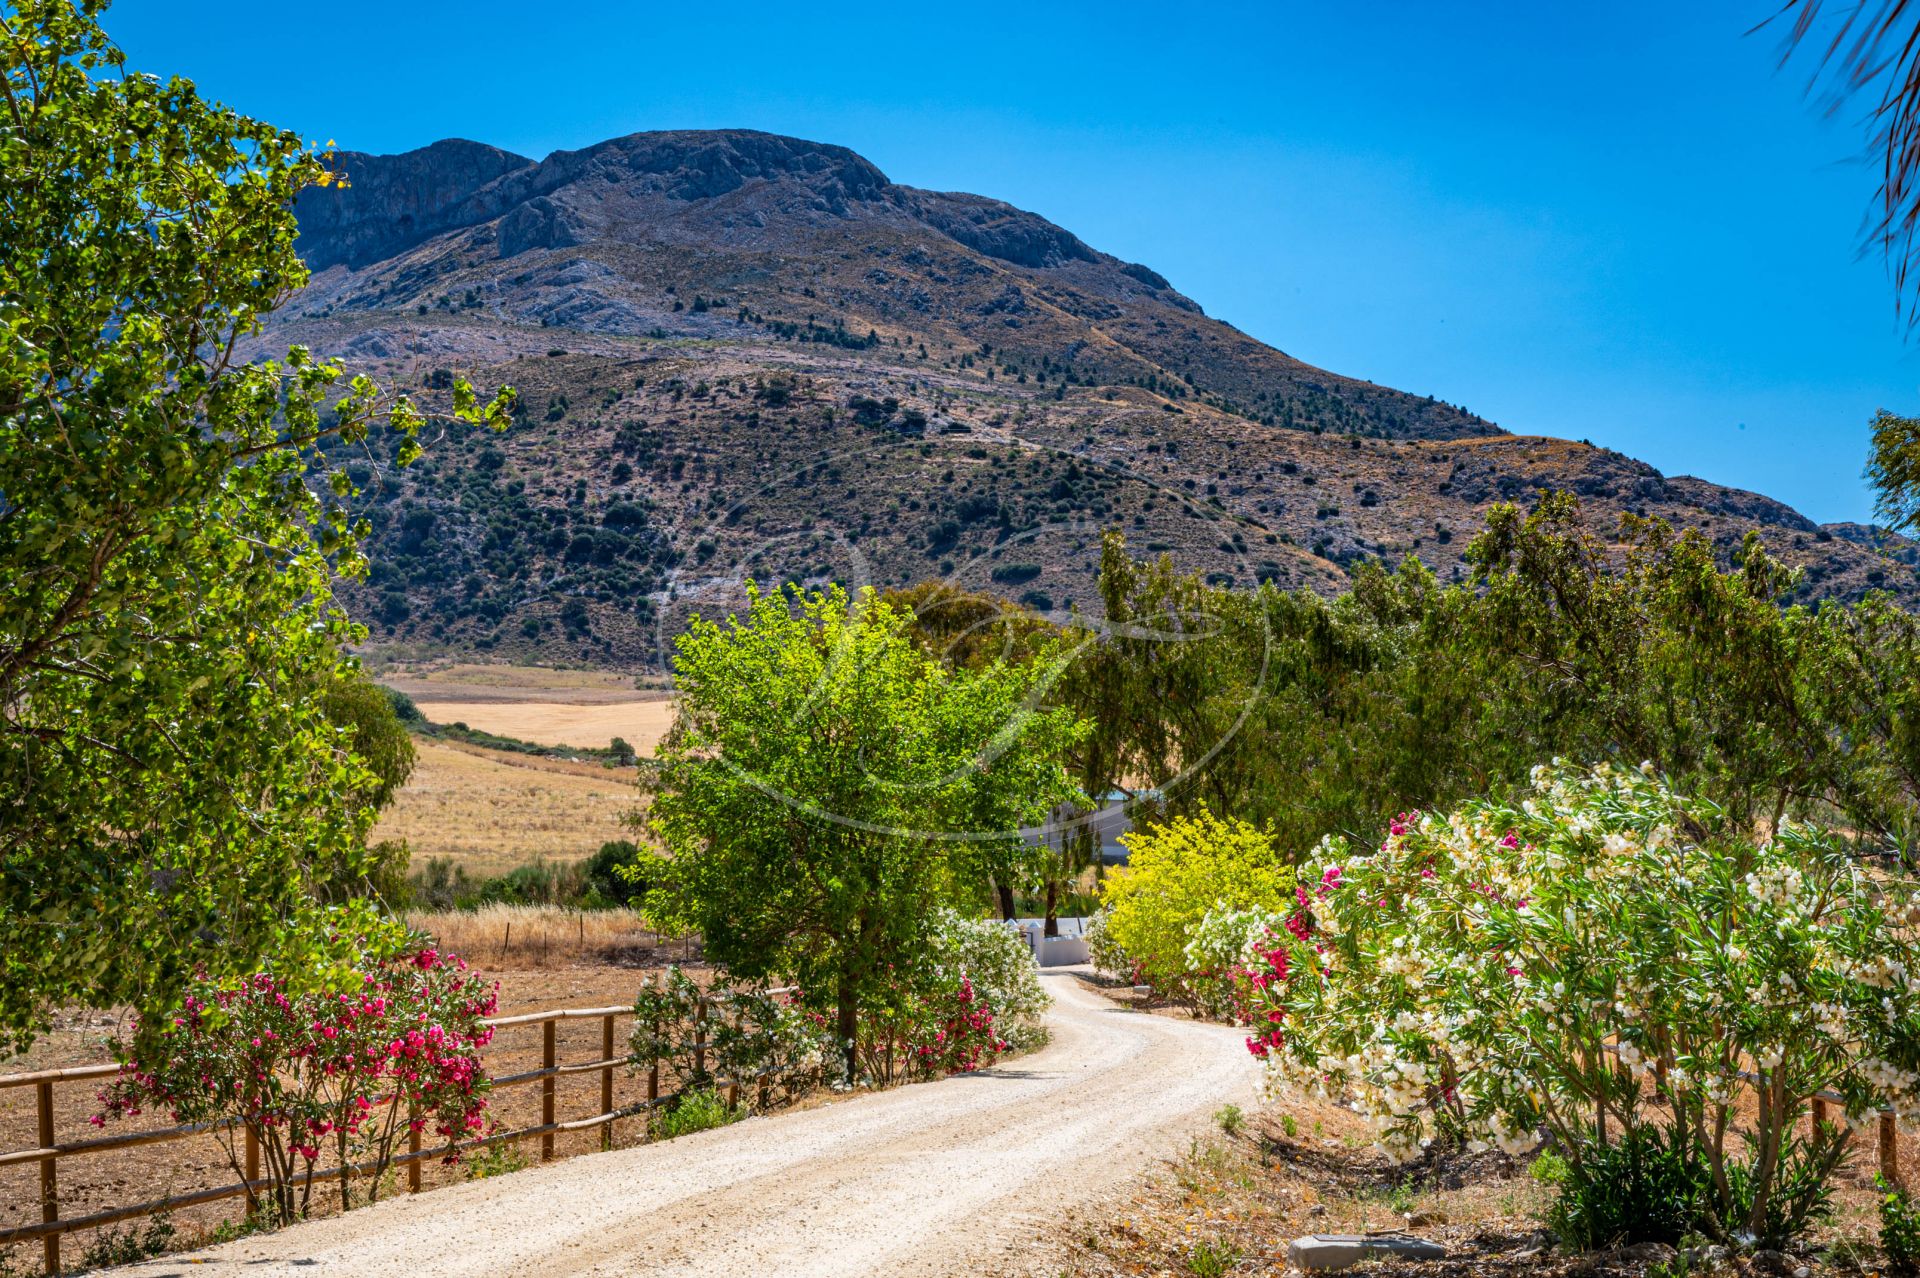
743, 354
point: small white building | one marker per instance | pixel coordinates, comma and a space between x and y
1107, 822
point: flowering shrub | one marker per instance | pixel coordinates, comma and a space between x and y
1176, 874
1103, 951
953, 1030
664, 1024
750, 1034
1000, 965
975, 994
1470, 976
1225, 955
347, 1070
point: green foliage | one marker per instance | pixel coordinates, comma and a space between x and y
749, 1034
503, 1159
1647, 1186
128, 1246
665, 1027
595, 884
1221, 955
1893, 470
611, 754
166, 569
404, 709
379, 740
1780, 1197
695, 1111
1211, 1258
1303, 715
1548, 1168
1899, 1229
826, 782
617, 874
1176, 873
1231, 1119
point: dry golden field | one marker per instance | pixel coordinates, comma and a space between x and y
642, 723
492, 811
475, 681
538, 937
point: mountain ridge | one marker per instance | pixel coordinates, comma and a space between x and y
728, 341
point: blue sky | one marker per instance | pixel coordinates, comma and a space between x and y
1616, 223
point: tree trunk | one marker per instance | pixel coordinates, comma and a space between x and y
1008, 910
847, 1026
1053, 909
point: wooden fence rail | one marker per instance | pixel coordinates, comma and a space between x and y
50, 1150
1887, 1138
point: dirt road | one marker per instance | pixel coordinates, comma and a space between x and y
943, 1179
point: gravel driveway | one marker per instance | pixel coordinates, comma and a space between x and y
959, 1177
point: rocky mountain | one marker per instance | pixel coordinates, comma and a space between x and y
742, 355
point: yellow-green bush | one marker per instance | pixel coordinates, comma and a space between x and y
1176, 873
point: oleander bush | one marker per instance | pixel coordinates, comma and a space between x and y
1224, 958
395, 1046
1467, 980
974, 996
752, 1035
999, 964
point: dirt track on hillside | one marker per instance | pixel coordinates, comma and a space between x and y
959, 1177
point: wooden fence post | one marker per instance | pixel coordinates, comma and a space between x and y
1889, 1149
546, 1089
700, 1037
606, 1079
732, 1083
253, 1164
1819, 1116
49, 1177
413, 1147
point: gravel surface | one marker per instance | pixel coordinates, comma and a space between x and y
959, 1177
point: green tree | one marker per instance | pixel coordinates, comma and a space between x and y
1893, 468
826, 784
377, 734
166, 615
1179, 871
378, 738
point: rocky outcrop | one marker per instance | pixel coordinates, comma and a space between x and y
393, 202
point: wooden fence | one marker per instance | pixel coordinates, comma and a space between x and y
1888, 1136
50, 1150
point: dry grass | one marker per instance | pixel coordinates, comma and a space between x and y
642, 723
530, 937
503, 677
491, 811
